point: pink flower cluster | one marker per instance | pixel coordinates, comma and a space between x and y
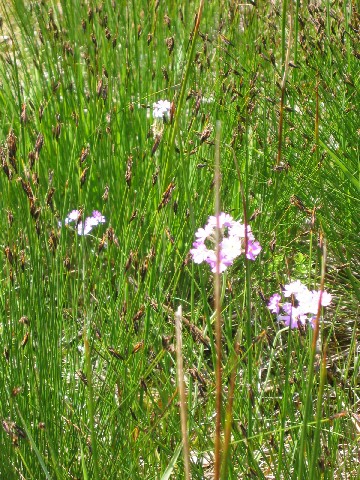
84, 227
232, 242
161, 109
305, 307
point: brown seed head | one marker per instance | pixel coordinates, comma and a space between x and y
83, 176
170, 43
23, 116
166, 196
128, 173
12, 147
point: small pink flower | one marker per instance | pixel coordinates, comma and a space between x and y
225, 220
274, 303
224, 262
203, 233
253, 250
238, 230
294, 288
161, 108
325, 298
84, 228
199, 253
97, 217
73, 216
231, 247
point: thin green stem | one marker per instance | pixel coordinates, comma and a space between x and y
180, 101
91, 407
217, 308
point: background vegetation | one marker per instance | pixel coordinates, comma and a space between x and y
88, 369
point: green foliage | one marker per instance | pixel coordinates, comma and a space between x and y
88, 373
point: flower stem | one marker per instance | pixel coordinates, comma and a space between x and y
217, 301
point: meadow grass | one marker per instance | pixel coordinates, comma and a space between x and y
90, 362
